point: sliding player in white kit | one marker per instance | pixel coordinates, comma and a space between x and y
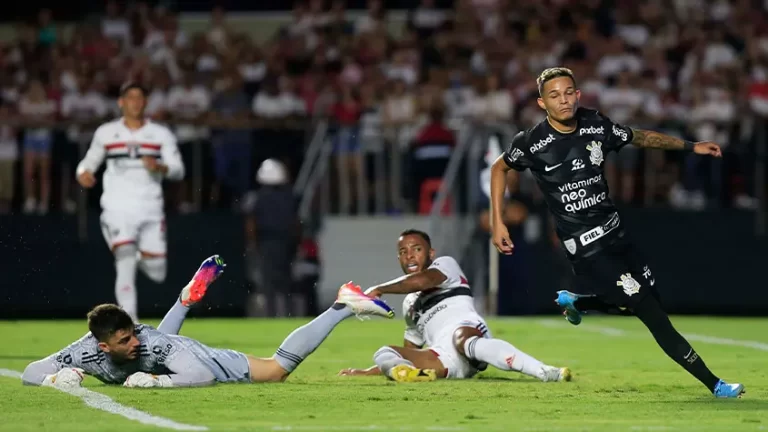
445, 337
139, 154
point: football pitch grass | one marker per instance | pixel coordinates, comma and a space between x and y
623, 382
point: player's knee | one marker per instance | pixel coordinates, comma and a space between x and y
126, 259
267, 370
276, 375
385, 352
462, 335
382, 351
126, 252
155, 267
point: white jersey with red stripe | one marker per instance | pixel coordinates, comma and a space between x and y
128, 185
426, 326
434, 326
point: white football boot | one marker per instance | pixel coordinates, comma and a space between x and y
360, 304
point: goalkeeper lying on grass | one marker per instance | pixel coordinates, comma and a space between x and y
117, 351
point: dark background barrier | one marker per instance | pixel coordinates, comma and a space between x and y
48, 273
705, 263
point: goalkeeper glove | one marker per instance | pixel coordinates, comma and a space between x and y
145, 380
65, 378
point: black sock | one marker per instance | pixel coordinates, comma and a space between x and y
595, 304
673, 343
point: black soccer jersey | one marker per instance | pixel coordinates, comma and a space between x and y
569, 170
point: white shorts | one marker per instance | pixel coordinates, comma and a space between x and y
457, 365
147, 232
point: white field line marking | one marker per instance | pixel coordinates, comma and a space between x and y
105, 403
10, 373
726, 341
608, 331
611, 331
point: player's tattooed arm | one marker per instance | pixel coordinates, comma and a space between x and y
414, 282
655, 140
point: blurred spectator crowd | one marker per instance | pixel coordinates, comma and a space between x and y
396, 97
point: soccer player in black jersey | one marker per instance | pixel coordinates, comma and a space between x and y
566, 154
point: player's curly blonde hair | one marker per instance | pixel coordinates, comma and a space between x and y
552, 73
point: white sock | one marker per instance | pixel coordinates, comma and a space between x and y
502, 355
125, 282
387, 358
154, 268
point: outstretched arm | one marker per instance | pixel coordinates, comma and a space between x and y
35, 373
58, 370
371, 371
423, 280
649, 139
443, 272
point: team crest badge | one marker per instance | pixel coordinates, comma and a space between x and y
595, 152
133, 149
629, 284
570, 246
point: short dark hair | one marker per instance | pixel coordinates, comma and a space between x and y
419, 233
552, 73
132, 85
107, 319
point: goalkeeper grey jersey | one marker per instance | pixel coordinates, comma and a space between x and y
159, 354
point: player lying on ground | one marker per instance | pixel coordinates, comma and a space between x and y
117, 351
566, 154
444, 337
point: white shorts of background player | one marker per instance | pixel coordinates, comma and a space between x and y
146, 231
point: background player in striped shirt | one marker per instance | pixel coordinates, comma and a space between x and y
139, 155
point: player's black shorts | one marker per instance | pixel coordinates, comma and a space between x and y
618, 275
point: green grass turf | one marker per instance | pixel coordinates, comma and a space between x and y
623, 382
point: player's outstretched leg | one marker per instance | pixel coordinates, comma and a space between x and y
505, 356
567, 301
575, 305
675, 346
192, 293
209, 271
304, 340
